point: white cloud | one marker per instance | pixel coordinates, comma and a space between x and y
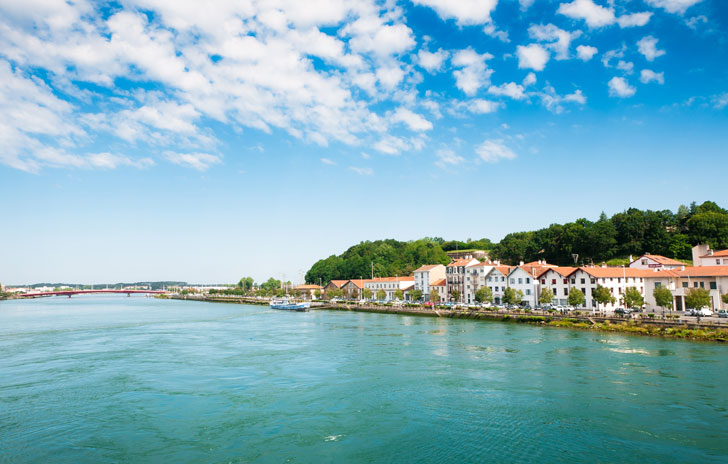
555, 102
619, 87
720, 101
673, 6
648, 47
413, 120
647, 76
530, 79
328, 161
362, 171
594, 15
525, 4
448, 157
432, 61
611, 54
625, 66
559, 39
473, 73
532, 56
480, 106
491, 31
198, 161
391, 145
586, 52
465, 12
511, 90
492, 151
634, 19
695, 21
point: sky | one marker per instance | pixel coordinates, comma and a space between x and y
206, 141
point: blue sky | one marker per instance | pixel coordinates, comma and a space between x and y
153, 139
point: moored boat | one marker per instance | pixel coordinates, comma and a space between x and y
289, 305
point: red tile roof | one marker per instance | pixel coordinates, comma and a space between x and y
561, 270
719, 254
427, 267
439, 283
696, 271
339, 283
463, 262
601, 272
660, 259
308, 287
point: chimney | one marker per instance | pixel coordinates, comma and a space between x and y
698, 251
521, 263
630, 258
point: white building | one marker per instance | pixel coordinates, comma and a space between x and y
616, 279
557, 280
521, 280
497, 281
712, 278
440, 286
648, 261
389, 285
426, 275
455, 276
704, 256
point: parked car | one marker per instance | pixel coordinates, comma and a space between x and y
622, 311
690, 312
723, 313
704, 312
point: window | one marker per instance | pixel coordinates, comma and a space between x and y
713, 286
566, 291
543, 281
583, 281
528, 280
593, 281
520, 280
528, 291
702, 284
717, 261
658, 284
553, 281
566, 281
685, 285
583, 290
695, 284
513, 281
573, 281
644, 262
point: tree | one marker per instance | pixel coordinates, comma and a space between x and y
399, 294
455, 295
434, 296
416, 295
381, 295
367, 293
509, 296
271, 285
546, 297
334, 293
696, 298
633, 298
317, 294
576, 297
484, 295
246, 283
602, 295
725, 298
663, 298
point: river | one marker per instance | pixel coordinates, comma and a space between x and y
114, 379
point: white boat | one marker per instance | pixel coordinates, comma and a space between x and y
284, 303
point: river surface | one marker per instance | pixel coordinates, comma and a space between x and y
117, 379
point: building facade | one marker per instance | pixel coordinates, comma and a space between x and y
426, 275
455, 273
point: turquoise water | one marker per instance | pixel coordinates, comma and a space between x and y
111, 379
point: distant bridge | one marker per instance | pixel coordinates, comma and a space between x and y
70, 293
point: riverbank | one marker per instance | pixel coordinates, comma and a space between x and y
690, 330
